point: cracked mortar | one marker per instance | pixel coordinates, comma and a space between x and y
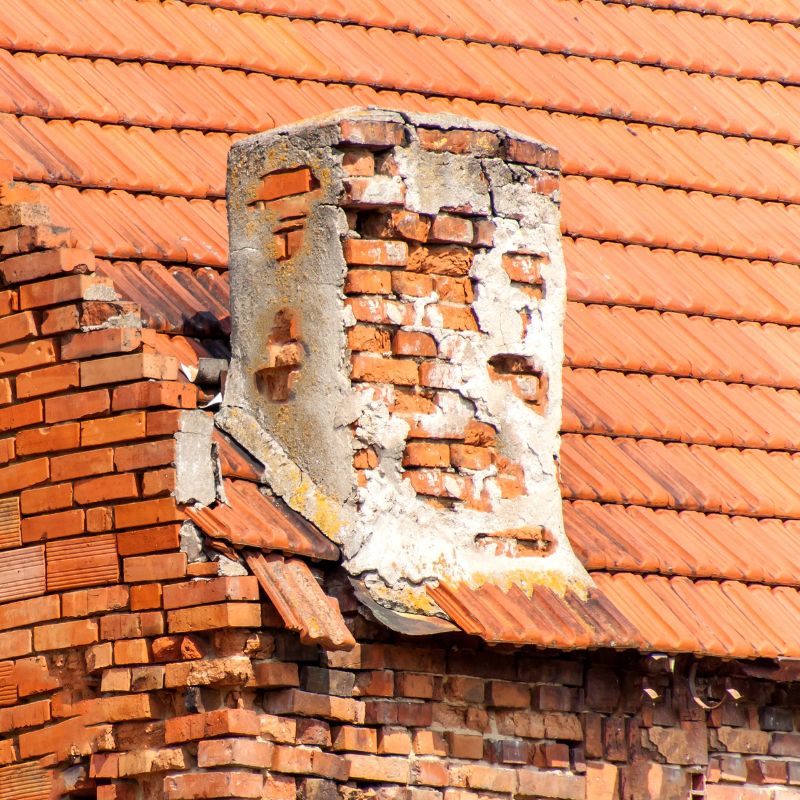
399, 536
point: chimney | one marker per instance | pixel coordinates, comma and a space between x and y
398, 295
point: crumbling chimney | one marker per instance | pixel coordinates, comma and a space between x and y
398, 296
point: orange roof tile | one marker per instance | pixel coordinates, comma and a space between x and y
678, 135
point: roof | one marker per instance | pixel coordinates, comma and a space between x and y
678, 133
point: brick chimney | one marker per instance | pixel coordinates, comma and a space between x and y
398, 295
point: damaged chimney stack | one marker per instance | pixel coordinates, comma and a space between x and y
398, 295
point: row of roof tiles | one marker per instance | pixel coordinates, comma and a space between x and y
178, 229
684, 410
646, 472
91, 85
591, 28
192, 163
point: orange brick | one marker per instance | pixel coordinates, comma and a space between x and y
485, 230
212, 617
163, 423
98, 343
358, 162
25, 355
18, 326
459, 141
77, 406
85, 602
42, 440
33, 237
237, 721
149, 394
7, 450
28, 715
24, 613
32, 676
147, 513
65, 635
365, 459
100, 518
15, 643
213, 784
439, 484
454, 317
234, 752
60, 319
453, 290
32, 266
24, 474
20, 415
375, 252
158, 482
283, 184
369, 338
131, 626
371, 134
134, 367
52, 526
149, 540
379, 768
145, 595
196, 593
440, 260
535, 153
368, 281
413, 343
46, 498
113, 429
9, 301
5, 391
384, 370
105, 488
523, 267
144, 455
357, 740
63, 290
414, 684
79, 465
448, 228
275, 674
412, 284
468, 457
47, 381
162, 567
426, 454
381, 311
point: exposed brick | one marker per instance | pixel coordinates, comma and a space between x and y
368, 281
210, 617
76, 406
358, 740
46, 498
144, 596
161, 567
371, 134
51, 526
20, 415
18, 326
147, 513
275, 674
234, 752
440, 260
150, 394
76, 346
188, 786
384, 769
64, 635
465, 745
306, 704
536, 783
413, 343
384, 370
216, 590
205, 725
447, 228
84, 463
149, 540
24, 473
412, 284
53, 438
63, 290
105, 488
410, 684
134, 367
101, 599
113, 429
376, 252
32, 266
145, 455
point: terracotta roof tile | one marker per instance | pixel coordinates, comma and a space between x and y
300, 601
251, 519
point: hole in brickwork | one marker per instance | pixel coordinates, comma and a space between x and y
698, 786
284, 357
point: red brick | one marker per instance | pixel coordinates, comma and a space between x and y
533, 783
447, 228
369, 338
375, 252
23, 613
371, 134
52, 526
234, 752
411, 684
20, 415
78, 465
440, 260
465, 745
63, 290
523, 267
42, 440
285, 183
275, 674
213, 785
100, 518
135, 367
485, 230
33, 237
7, 450
384, 370
32, 266
358, 162
379, 768
163, 423
375, 683
131, 626
368, 281
459, 141
453, 290
5, 391
46, 498
150, 394
357, 740
145, 595
101, 599
535, 153
454, 317
505, 694
149, 540
159, 482
309, 704
18, 326
32, 676
9, 301
412, 284
211, 617
131, 651
212, 723
465, 456
426, 454
24, 474
60, 319
107, 487
413, 343
76, 406
47, 381
195, 593
381, 311
438, 484
145, 455
101, 342
15, 643
29, 715
25, 355
65, 635
113, 429
164, 567
147, 513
